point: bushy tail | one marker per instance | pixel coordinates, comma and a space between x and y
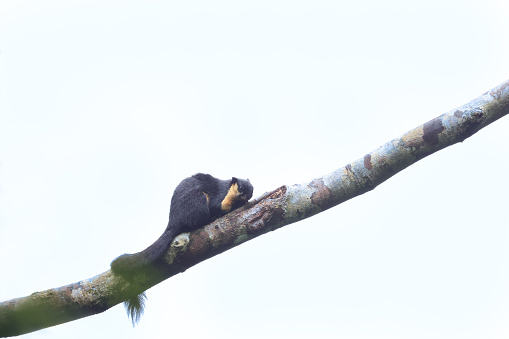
129, 266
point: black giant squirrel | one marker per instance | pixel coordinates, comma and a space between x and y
196, 201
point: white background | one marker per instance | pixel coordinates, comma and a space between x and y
106, 105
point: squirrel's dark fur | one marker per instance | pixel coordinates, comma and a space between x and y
197, 201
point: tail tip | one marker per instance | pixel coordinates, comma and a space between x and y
135, 307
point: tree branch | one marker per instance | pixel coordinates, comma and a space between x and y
273, 210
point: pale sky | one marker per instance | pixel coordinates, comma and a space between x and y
106, 105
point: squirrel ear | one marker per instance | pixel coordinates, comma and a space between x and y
234, 180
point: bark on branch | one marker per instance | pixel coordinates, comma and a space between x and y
283, 206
